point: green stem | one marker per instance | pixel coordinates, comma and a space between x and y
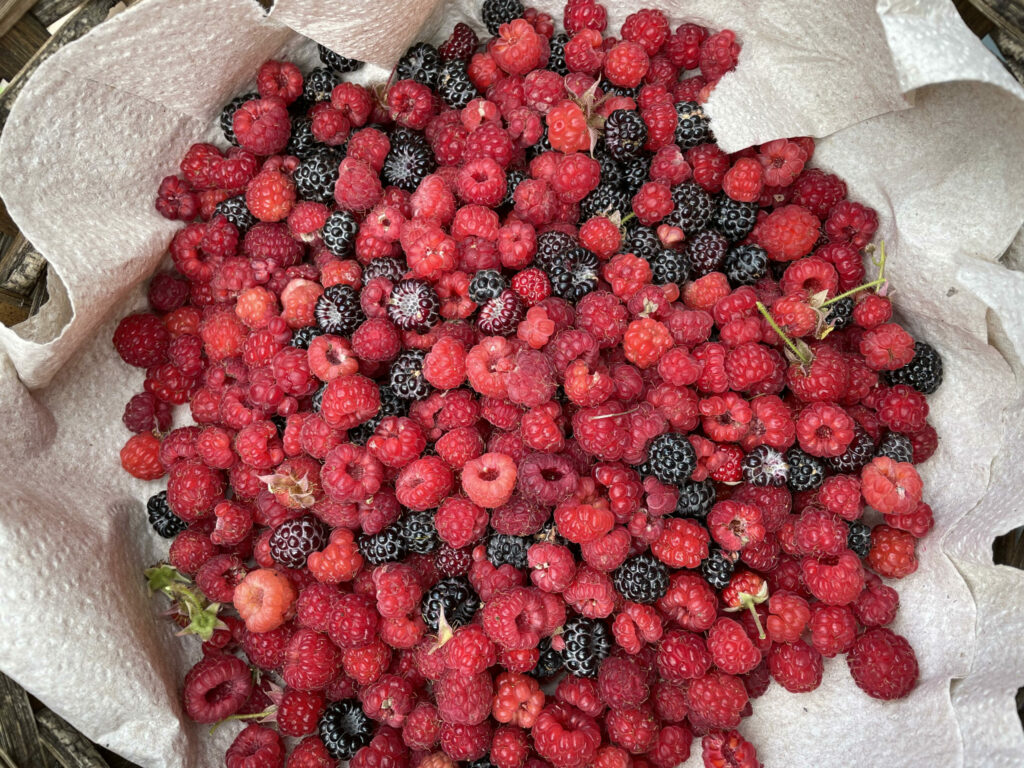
782, 335
852, 291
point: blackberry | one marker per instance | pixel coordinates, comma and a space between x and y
237, 212
454, 86
551, 661
280, 422
641, 579
694, 207
227, 115
717, 569
805, 471
384, 547
923, 372
896, 447
316, 176
587, 644
669, 266
859, 538
606, 198
504, 548
556, 60
486, 284
483, 762
458, 600
164, 522
501, 316
390, 405
635, 174
336, 62
857, 454
643, 242
734, 219
318, 85
414, 306
840, 314
302, 336
301, 142
745, 264
421, 63
625, 133
571, 268
407, 164
671, 458
692, 125
317, 401
337, 311
513, 178
609, 88
494, 13
406, 377
339, 233
543, 144
765, 466
295, 540
696, 499
344, 729
384, 266
706, 252
418, 532
611, 169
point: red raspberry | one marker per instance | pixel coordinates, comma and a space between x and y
518, 48
652, 203
634, 729
645, 341
710, 164
833, 629
834, 580
422, 484
824, 429
689, 601
788, 618
518, 700
787, 233
718, 54
566, 737
718, 699
883, 664
744, 181
851, 223
410, 104
270, 196
264, 599
262, 126
299, 711
584, 14
728, 750
683, 47
141, 340
826, 378
581, 523
917, 523
625, 64
649, 28
683, 544
489, 479
256, 746
567, 128
892, 552
731, 649
216, 688
703, 292
281, 79
464, 742
622, 684
358, 188
389, 700
176, 200
891, 487
734, 525
876, 606
782, 160
887, 347
460, 44
140, 457
871, 310
797, 667
902, 409
818, 191
348, 401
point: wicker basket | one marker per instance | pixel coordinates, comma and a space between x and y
31, 736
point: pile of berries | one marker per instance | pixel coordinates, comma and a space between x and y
530, 427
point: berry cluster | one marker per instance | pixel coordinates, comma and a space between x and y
530, 427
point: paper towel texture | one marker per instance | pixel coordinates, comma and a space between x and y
107, 117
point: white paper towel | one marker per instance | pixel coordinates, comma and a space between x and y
104, 119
